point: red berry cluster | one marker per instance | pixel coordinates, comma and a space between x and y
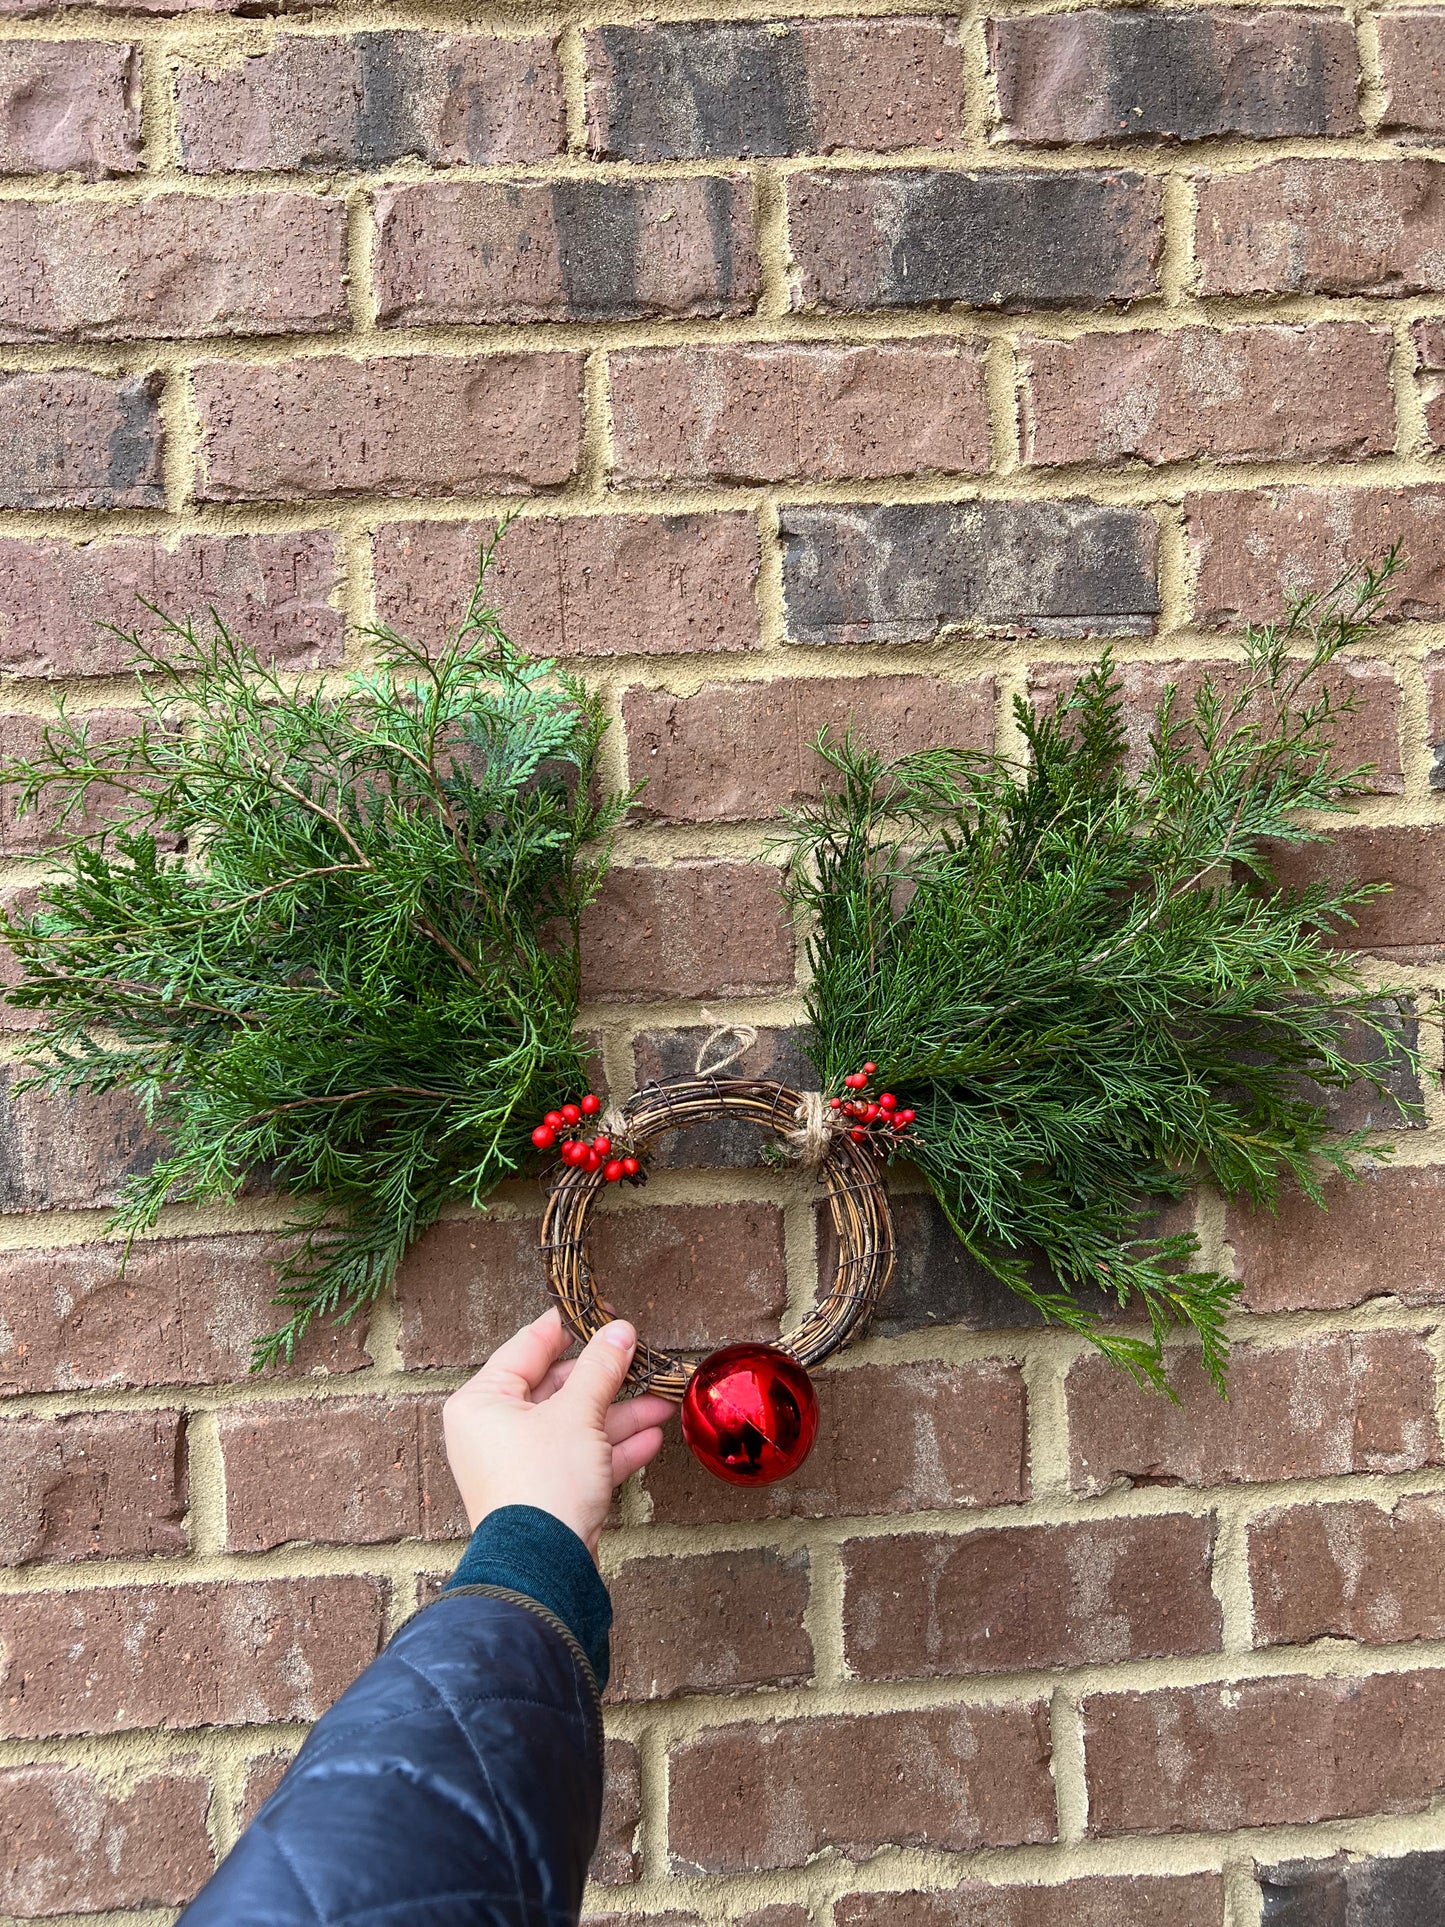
596, 1156
871, 1115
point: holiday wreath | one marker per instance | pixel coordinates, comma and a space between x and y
329, 934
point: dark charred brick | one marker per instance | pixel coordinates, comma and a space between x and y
69, 1148
914, 237
1123, 74
77, 440
907, 572
1341, 1892
718, 1143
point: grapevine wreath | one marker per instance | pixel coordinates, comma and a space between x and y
327, 930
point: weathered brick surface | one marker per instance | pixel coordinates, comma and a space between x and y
1120, 74
923, 1437
1318, 393
263, 264
229, 1653
263, 1775
717, 1623
737, 752
1263, 1752
1316, 1408
82, 441
1410, 60
276, 591
931, 1605
1355, 1571
398, 425
748, 1797
695, 930
1408, 921
69, 107
35, 830
909, 572
1118, 1900
617, 1862
916, 237
606, 585
1323, 227
825, 414
1376, 1892
366, 99
691, 1275
696, 90
1251, 551
72, 1843
558, 250
69, 1148
1380, 1238
103, 1485
183, 1311
353, 1472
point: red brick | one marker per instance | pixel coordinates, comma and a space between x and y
19, 901
401, 425
1263, 1752
1381, 1238
748, 1797
720, 1622
695, 930
98, 1485
184, 1311
72, 440
1325, 1406
264, 1774
1364, 1572
70, 1843
933, 1605
736, 752
565, 250
607, 585
922, 1437
337, 1471
223, 1654
617, 1861
1251, 551
22, 739
263, 264
1370, 735
363, 100
274, 591
1118, 75
1411, 48
1323, 227
773, 412
1319, 393
70, 106
1408, 922
69, 1148
695, 89
692, 1275
1014, 238
1117, 1900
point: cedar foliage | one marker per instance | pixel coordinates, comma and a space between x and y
1084, 980
326, 936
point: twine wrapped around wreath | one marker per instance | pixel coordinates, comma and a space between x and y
850, 1173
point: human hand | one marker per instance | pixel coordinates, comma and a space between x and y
529, 1429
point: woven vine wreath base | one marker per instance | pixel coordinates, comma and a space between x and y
850, 1173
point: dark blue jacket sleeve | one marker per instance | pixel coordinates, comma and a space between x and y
458, 1781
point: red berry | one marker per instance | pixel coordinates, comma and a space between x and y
590, 1105
868, 1069
630, 1167
858, 1134
554, 1120
899, 1123
908, 1116
572, 1113
835, 1103
601, 1145
870, 1112
613, 1170
569, 1151
591, 1161
544, 1137
888, 1102
855, 1080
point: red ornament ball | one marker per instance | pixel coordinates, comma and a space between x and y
750, 1414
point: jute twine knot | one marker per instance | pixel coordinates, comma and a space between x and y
815, 1130
614, 1124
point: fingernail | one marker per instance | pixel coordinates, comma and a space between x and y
620, 1334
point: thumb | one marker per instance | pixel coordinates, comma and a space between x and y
598, 1375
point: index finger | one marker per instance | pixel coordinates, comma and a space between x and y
527, 1356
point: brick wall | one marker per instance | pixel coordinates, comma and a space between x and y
839, 365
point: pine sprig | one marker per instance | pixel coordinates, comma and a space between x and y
1084, 981
329, 936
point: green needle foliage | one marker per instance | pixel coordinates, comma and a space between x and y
1084, 980
328, 937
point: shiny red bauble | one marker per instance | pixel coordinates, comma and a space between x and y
750, 1414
